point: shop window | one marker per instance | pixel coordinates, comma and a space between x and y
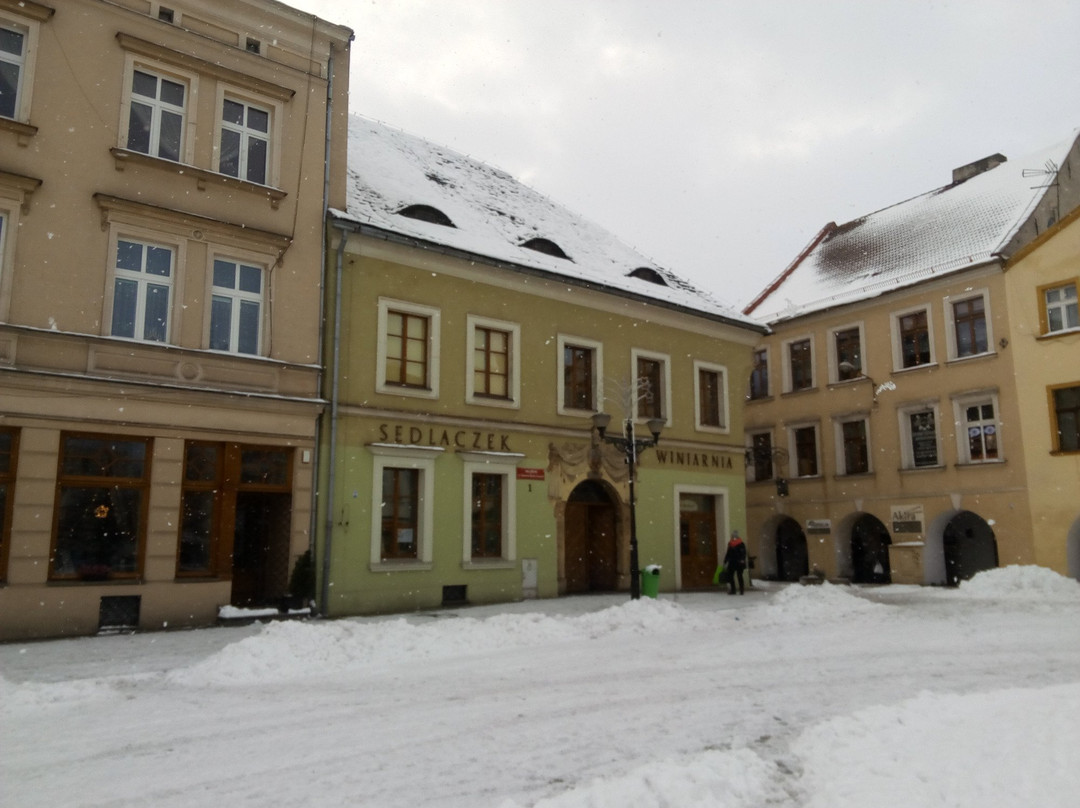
487, 515
100, 517
403, 486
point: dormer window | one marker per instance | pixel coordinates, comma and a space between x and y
253, 45
648, 274
426, 213
546, 246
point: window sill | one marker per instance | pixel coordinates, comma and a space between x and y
854, 476
492, 564
126, 157
405, 390
974, 464
909, 469
913, 368
1064, 332
1065, 452
956, 360
22, 131
75, 581
757, 399
812, 389
402, 566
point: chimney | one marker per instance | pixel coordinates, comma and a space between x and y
976, 168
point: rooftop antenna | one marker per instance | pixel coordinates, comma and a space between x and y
1049, 169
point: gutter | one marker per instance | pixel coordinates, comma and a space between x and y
332, 438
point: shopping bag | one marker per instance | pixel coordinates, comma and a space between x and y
719, 576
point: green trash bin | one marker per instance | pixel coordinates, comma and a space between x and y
650, 581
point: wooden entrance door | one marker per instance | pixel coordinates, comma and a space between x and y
590, 540
697, 540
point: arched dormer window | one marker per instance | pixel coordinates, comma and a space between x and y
546, 246
426, 213
648, 274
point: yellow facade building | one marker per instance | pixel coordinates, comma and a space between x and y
892, 408
162, 204
476, 329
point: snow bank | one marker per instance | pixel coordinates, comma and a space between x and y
731, 779
825, 601
293, 650
1021, 582
1003, 748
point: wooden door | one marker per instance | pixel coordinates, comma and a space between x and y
697, 540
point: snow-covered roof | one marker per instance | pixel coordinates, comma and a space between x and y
946, 230
455, 202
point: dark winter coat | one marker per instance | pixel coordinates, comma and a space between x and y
735, 557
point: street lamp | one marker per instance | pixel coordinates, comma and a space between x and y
630, 446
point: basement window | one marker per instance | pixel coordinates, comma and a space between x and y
546, 246
426, 213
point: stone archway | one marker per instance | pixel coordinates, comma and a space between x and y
590, 536
870, 542
969, 545
792, 554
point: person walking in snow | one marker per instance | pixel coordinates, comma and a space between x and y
735, 562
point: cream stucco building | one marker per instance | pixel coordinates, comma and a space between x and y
898, 424
163, 188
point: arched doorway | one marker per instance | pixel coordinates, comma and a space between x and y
969, 546
792, 556
591, 546
870, 551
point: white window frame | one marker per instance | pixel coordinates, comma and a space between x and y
722, 514
950, 323
960, 404
143, 280
907, 447
30, 28
724, 403
785, 349
1062, 305
598, 375
273, 134
897, 346
834, 360
838, 444
513, 382
505, 466
793, 451
237, 298
434, 317
189, 123
422, 459
665, 382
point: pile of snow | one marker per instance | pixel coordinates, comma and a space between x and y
295, 650
825, 601
732, 778
1001, 748
1021, 582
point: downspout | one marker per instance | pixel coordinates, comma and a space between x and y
331, 474
313, 526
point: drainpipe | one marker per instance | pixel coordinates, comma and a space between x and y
335, 364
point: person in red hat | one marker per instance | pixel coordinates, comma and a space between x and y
735, 561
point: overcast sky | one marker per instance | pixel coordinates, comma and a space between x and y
719, 137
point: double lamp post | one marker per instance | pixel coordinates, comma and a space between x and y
630, 447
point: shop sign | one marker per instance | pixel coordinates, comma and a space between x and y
530, 474
907, 518
694, 460
819, 526
467, 439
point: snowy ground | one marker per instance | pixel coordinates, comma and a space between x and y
789, 696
